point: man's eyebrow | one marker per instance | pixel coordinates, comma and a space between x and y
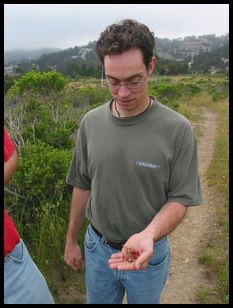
130, 77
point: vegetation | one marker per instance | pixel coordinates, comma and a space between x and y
42, 114
216, 255
178, 56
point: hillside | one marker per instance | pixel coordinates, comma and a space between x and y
204, 53
18, 55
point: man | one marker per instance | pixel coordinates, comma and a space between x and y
134, 173
23, 282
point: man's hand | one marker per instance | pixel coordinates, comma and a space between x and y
135, 254
73, 256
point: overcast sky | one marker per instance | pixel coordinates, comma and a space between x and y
32, 26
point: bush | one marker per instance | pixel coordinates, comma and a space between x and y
86, 95
39, 83
191, 89
173, 104
36, 120
163, 90
40, 175
221, 91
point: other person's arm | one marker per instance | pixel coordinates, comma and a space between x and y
10, 167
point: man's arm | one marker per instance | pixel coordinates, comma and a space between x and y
73, 254
170, 215
165, 220
10, 167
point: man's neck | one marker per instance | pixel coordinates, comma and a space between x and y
121, 113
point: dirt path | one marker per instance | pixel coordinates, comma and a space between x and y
186, 274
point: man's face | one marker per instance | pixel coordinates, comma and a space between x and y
127, 75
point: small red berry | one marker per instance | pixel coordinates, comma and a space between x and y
130, 254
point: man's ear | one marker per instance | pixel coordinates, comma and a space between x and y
151, 66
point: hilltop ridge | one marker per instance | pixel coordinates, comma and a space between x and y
202, 53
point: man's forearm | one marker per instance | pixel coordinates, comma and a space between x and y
165, 221
77, 212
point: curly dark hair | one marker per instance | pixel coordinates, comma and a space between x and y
125, 35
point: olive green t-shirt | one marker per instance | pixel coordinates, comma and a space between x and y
133, 166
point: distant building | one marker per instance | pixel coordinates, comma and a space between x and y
11, 70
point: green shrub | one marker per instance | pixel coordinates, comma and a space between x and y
40, 175
219, 90
39, 83
172, 103
163, 90
86, 95
191, 89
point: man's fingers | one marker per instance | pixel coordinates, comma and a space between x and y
74, 263
123, 266
123, 262
114, 261
116, 255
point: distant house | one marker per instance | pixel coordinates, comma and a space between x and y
35, 66
225, 60
10, 70
213, 70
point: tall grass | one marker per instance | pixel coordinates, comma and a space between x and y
45, 239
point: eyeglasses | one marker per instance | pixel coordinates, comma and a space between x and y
131, 85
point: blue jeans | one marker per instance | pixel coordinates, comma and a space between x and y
107, 286
23, 282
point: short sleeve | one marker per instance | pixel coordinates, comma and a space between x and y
184, 182
8, 146
77, 175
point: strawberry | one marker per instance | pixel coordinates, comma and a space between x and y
130, 254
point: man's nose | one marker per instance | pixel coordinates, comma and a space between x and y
123, 90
